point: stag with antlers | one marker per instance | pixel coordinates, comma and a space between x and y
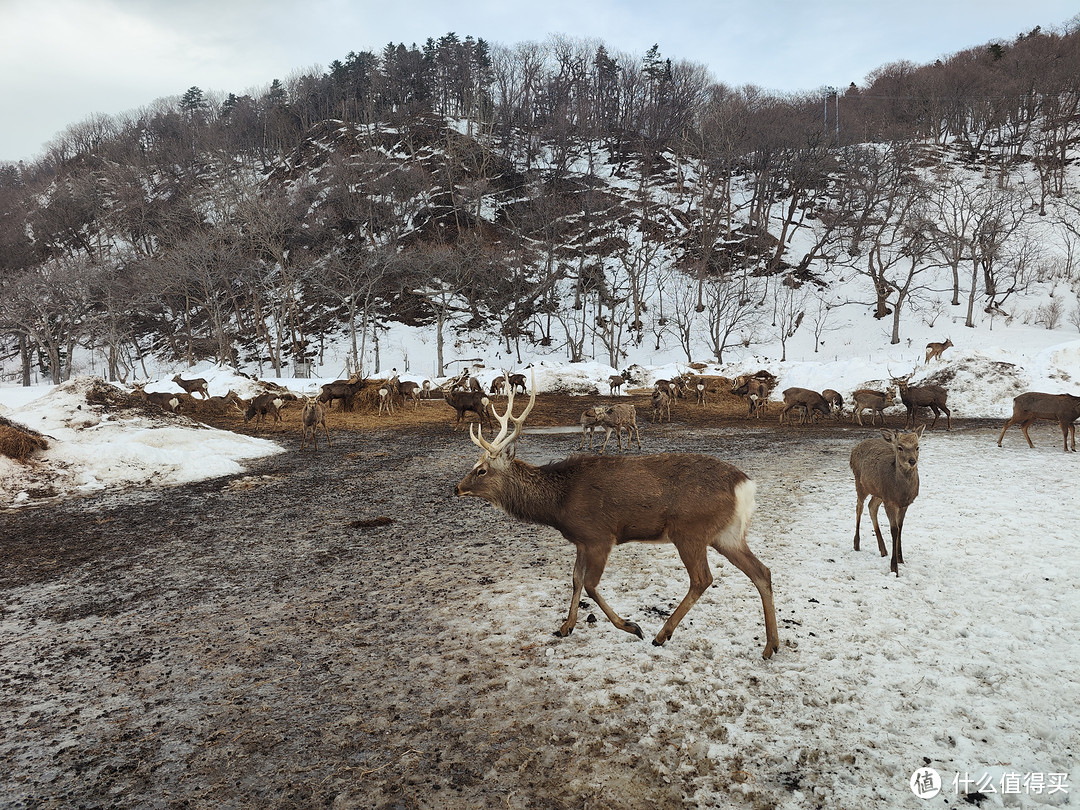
695, 502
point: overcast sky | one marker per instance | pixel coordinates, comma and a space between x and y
62, 61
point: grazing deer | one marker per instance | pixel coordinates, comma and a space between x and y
1061, 408
590, 421
313, 415
934, 350
661, 405
269, 404
345, 390
887, 471
517, 382
811, 401
836, 402
191, 386
410, 390
386, 400
867, 399
756, 392
618, 418
498, 385
923, 396
464, 401
173, 403
615, 384
597, 502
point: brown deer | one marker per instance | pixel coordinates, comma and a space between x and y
923, 396
619, 418
590, 421
756, 392
191, 386
615, 384
887, 471
934, 350
313, 415
597, 502
836, 402
867, 399
464, 401
173, 403
516, 382
268, 404
661, 405
410, 390
498, 385
386, 399
1061, 408
812, 401
345, 390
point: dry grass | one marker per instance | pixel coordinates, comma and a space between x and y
19, 442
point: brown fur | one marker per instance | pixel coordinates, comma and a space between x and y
924, 396
465, 401
886, 470
191, 386
866, 399
812, 401
345, 390
313, 415
935, 349
620, 418
597, 502
1061, 408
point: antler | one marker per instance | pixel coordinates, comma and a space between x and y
505, 437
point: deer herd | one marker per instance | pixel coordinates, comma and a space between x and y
694, 502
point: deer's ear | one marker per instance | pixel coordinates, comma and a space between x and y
888, 435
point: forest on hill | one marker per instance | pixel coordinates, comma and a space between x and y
544, 195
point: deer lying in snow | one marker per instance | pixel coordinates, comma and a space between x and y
695, 502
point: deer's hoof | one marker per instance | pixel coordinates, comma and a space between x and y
631, 627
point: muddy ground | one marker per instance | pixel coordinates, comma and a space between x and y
313, 633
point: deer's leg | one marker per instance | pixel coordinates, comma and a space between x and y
898, 521
876, 502
744, 559
861, 499
579, 583
695, 557
1024, 429
595, 559
1007, 425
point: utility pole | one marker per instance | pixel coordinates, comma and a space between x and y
826, 92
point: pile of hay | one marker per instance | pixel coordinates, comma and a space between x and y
18, 441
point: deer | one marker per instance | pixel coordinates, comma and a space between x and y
173, 403
313, 415
661, 405
498, 385
345, 390
836, 402
618, 418
1061, 408
263, 405
756, 392
409, 390
590, 421
812, 401
615, 384
923, 396
464, 401
867, 399
934, 350
191, 386
887, 471
386, 399
695, 502
516, 382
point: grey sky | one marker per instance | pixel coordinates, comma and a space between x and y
65, 60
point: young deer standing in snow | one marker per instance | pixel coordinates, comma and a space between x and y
597, 502
887, 470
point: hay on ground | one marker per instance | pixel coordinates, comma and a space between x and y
18, 441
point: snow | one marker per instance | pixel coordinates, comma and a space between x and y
967, 660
